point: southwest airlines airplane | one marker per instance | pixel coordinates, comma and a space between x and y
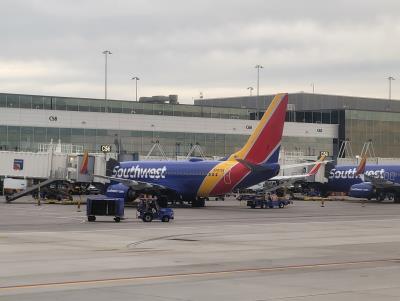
378, 181
195, 180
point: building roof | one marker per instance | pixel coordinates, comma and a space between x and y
307, 102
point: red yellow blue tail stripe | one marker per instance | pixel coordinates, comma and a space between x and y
85, 163
261, 145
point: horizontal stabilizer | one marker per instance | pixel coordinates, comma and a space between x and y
255, 167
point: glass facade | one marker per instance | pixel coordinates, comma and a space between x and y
382, 128
19, 138
119, 106
25, 138
308, 146
325, 117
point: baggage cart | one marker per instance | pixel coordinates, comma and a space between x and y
104, 206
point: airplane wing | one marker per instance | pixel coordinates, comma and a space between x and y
304, 164
135, 185
289, 178
312, 172
377, 182
380, 183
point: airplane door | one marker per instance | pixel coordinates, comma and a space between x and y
227, 177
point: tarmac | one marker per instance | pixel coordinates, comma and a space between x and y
342, 251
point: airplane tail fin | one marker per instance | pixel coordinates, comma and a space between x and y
361, 167
264, 143
317, 165
85, 162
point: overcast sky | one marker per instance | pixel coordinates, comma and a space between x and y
186, 47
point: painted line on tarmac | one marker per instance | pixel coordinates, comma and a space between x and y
22, 232
177, 227
323, 222
194, 274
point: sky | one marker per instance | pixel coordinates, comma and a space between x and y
186, 47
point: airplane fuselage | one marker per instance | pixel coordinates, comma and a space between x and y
342, 177
192, 179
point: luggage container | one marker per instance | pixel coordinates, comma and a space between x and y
104, 206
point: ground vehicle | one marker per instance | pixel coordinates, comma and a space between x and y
55, 192
216, 198
12, 185
76, 189
248, 196
91, 189
82, 188
149, 209
254, 201
268, 204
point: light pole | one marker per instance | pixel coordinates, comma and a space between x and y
106, 53
251, 90
258, 67
313, 87
390, 78
84, 134
136, 79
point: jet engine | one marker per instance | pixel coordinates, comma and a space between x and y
363, 190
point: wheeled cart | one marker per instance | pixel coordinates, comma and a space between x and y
261, 203
104, 206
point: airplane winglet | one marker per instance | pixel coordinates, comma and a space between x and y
316, 167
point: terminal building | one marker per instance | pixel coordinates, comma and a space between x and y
358, 120
214, 128
217, 127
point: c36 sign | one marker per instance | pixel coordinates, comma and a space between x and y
105, 148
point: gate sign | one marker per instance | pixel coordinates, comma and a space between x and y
105, 148
324, 153
18, 164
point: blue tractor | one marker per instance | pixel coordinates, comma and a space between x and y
149, 210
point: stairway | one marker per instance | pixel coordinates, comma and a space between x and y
30, 189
